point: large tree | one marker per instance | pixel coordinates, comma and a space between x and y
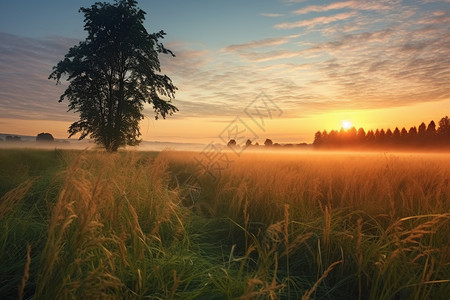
113, 73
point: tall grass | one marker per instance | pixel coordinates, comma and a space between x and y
382, 216
147, 225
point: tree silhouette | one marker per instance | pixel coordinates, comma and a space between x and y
44, 137
404, 132
268, 143
370, 137
444, 130
422, 129
318, 139
430, 136
412, 135
361, 135
232, 143
396, 133
389, 135
113, 73
431, 132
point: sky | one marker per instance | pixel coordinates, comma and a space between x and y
279, 69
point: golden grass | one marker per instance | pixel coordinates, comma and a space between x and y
95, 232
11, 199
300, 225
308, 293
383, 210
26, 273
396, 185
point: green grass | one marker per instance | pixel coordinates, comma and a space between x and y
136, 225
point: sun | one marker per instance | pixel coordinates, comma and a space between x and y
346, 125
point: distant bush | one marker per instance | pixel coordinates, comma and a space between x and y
232, 143
44, 137
268, 143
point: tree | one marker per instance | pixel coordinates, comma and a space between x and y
377, 138
232, 143
350, 136
412, 134
44, 137
431, 129
113, 73
361, 136
382, 136
389, 134
444, 130
422, 129
268, 143
318, 139
412, 131
403, 132
333, 138
370, 136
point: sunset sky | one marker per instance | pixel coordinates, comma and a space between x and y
314, 64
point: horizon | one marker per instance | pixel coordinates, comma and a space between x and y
373, 64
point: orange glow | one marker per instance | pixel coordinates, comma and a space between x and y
281, 130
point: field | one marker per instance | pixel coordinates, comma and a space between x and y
148, 225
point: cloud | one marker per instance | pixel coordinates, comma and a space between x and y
269, 42
310, 23
403, 63
389, 59
271, 15
25, 63
269, 56
356, 5
390, 67
438, 17
384, 58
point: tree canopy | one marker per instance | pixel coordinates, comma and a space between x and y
113, 73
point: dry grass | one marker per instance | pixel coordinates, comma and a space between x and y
267, 226
338, 205
397, 185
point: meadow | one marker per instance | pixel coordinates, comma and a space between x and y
154, 225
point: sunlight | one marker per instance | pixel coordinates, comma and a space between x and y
346, 125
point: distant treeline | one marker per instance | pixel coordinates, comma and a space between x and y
267, 143
431, 136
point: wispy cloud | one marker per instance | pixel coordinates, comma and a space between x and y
269, 55
349, 60
25, 63
356, 5
323, 20
404, 62
272, 15
437, 17
269, 42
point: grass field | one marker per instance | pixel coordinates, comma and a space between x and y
147, 225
